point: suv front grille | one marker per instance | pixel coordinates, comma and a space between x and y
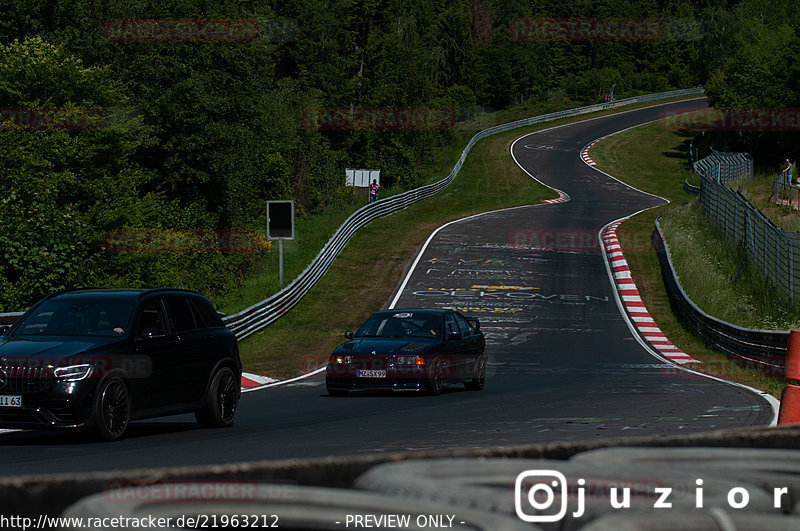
21, 379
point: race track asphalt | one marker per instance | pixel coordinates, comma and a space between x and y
563, 366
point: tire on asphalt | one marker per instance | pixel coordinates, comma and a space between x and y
435, 377
478, 375
112, 410
222, 400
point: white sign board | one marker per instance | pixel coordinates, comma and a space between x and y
361, 178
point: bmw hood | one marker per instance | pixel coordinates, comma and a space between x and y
385, 346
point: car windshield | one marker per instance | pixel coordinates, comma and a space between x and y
77, 317
402, 324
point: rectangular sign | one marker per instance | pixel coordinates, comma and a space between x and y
280, 220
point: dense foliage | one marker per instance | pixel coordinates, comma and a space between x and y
185, 128
759, 71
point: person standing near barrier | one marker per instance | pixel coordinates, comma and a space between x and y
373, 191
788, 171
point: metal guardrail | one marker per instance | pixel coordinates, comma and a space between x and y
264, 313
764, 350
10, 317
690, 188
687, 186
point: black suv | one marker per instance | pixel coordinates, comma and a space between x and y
97, 359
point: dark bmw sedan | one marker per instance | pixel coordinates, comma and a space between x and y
97, 359
410, 350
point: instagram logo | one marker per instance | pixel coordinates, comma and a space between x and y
538, 488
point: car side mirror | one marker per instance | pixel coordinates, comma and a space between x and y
349, 334
476, 324
153, 333
3, 328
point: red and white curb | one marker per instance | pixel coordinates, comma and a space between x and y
632, 301
585, 153
250, 381
562, 198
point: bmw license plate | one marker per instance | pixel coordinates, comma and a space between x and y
361, 373
10, 400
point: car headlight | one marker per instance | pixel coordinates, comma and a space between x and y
335, 359
73, 373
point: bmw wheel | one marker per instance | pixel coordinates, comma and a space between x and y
435, 378
222, 400
112, 410
478, 375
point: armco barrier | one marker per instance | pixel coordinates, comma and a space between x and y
264, 313
8, 318
761, 349
690, 188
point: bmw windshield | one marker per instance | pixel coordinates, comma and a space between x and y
402, 324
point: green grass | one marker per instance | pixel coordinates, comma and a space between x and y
363, 277
654, 159
758, 191
718, 275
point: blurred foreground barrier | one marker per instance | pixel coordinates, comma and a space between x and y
763, 350
51, 495
652, 485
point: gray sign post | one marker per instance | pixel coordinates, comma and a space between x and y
280, 226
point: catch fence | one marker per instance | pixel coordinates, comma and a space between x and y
774, 250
